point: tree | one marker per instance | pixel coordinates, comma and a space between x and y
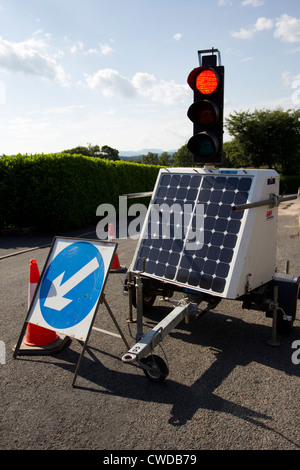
267, 137
165, 159
89, 151
233, 156
183, 157
109, 152
95, 151
150, 159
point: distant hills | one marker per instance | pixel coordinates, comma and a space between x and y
125, 154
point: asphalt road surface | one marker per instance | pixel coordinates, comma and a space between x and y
227, 388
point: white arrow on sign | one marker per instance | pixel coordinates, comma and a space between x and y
57, 291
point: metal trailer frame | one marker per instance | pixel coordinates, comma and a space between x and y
279, 295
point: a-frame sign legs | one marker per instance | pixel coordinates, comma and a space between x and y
102, 300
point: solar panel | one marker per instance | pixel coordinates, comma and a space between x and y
191, 236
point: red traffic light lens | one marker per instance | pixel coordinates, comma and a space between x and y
207, 82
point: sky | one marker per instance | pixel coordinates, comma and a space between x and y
102, 72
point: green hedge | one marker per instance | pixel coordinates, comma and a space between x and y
62, 191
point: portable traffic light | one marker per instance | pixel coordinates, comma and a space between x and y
207, 82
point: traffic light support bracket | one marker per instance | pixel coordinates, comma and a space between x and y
210, 59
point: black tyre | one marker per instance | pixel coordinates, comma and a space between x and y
148, 299
149, 295
159, 369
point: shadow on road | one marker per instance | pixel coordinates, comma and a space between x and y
233, 342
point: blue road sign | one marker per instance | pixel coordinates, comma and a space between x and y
71, 285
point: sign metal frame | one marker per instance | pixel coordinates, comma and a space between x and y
100, 244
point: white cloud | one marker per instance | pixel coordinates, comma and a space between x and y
166, 92
110, 82
169, 92
287, 29
177, 36
143, 82
253, 3
76, 47
91, 52
261, 24
103, 49
243, 33
30, 58
288, 79
223, 3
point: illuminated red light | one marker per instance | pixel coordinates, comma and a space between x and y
207, 82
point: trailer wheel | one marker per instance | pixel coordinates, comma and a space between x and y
159, 369
148, 299
149, 295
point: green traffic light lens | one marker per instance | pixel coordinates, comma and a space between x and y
203, 145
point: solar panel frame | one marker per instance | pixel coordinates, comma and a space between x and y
208, 264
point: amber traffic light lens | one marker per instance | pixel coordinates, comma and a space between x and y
206, 114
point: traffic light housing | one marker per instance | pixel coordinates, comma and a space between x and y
206, 112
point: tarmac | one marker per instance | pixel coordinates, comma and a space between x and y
227, 388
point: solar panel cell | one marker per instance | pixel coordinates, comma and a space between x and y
192, 247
